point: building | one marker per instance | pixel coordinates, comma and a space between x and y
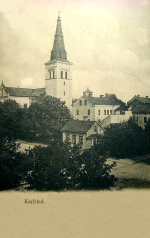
121, 114
84, 133
58, 79
23, 96
140, 107
92, 108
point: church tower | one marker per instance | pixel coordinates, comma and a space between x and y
58, 80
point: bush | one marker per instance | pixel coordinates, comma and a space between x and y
60, 166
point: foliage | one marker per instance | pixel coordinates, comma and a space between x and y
45, 117
10, 114
124, 140
11, 162
60, 166
147, 135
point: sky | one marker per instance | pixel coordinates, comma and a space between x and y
108, 42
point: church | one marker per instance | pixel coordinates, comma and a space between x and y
58, 79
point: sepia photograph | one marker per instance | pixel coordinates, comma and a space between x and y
75, 118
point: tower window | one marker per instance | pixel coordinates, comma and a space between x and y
88, 112
104, 112
61, 74
64, 83
99, 112
65, 75
64, 93
107, 112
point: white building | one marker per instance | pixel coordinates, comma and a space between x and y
58, 79
92, 108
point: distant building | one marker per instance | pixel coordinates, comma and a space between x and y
23, 96
92, 108
84, 133
121, 114
140, 107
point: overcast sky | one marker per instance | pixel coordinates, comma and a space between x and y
108, 42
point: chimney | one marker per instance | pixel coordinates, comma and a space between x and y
146, 96
101, 96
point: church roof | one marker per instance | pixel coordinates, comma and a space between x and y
24, 92
78, 126
58, 52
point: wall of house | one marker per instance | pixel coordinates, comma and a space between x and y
84, 146
80, 112
21, 100
141, 119
97, 112
112, 119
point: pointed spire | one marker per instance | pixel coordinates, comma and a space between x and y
58, 52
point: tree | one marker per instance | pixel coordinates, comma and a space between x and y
147, 135
11, 168
60, 166
45, 117
124, 139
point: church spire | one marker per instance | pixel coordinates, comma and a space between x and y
58, 52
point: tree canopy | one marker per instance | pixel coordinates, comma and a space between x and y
45, 117
60, 166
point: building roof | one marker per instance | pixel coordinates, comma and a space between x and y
142, 109
122, 107
78, 126
58, 52
140, 99
24, 92
102, 101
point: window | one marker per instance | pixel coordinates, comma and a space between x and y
85, 102
65, 75
25, 105
74, 139
64, 93
88, 112
67, 137
64, 83
104, 112
53, 74
107, 112
50, 74
80, 102
77, 112
95, 128
145, 119
81, 140
61, 74
99, 112
110, 112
